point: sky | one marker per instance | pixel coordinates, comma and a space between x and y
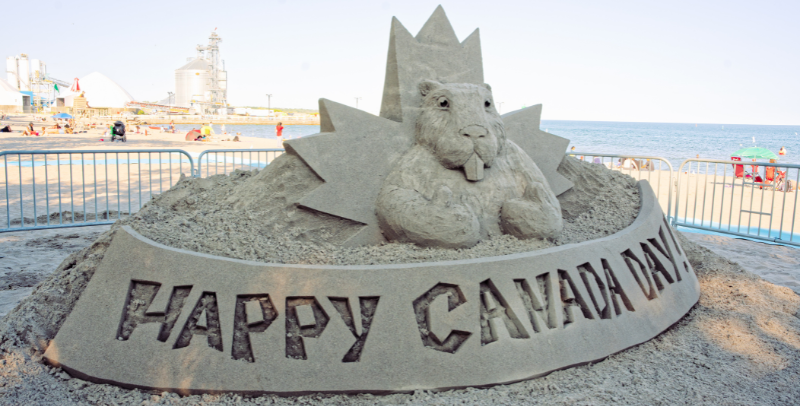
731, 62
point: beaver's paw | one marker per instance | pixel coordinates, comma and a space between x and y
447, 224
531, 216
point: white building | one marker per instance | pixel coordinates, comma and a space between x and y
10, 98
100, 92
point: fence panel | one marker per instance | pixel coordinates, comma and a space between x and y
749, 199
656, 170
224, 161
51, 189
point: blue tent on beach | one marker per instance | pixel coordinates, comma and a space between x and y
62, 115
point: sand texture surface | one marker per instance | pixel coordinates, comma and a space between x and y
775, 263
27, 258
740, 345
255, 216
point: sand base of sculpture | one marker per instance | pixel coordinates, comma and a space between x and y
161, 318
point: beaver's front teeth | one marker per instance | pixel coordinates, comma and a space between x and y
473, 169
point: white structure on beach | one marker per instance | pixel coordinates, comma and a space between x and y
202, 84
101, 92
10, 98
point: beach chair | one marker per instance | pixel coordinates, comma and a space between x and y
738, 170
769, 176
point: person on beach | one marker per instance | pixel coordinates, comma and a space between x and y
206, 131
572, 150
172, 126
279, 129
782, 151
30, 126
6, 129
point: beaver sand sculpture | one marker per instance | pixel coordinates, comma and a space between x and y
428, 200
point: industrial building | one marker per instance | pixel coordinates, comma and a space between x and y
98, 95
10, 98
29, 77
202, 84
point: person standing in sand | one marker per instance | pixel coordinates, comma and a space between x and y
279, 129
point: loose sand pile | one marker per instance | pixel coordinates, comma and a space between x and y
739, 345
254, 216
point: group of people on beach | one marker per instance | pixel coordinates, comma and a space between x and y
206, 133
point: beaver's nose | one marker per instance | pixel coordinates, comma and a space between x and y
474, 131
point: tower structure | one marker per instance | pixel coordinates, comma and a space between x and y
203, 82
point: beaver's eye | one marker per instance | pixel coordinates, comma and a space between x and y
487, 104
443, 102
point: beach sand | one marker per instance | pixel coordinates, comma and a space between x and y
154, 140
107, 190
739, 345
706, 200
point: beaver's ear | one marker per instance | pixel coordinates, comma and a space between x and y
486, 85
427, 86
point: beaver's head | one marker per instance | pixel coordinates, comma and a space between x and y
460, 126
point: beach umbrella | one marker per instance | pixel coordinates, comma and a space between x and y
62, 115
755, 152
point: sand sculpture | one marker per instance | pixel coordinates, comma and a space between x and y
425, 201
163, 318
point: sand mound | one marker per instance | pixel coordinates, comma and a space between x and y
255, 216
739, 345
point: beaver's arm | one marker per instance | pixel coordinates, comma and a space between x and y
407, 216
537, 214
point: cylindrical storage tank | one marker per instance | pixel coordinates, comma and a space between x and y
190, 80
24, 73
11, 71
36, 68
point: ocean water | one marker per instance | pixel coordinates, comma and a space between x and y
674, 142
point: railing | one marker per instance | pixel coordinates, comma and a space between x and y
51, 189
656, 170
233, 159
748, 199
69, 188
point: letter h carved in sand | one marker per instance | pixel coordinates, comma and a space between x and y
141, 307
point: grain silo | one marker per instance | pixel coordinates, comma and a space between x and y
202, 83
191, 82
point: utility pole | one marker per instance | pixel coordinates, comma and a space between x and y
357, 99
269, 102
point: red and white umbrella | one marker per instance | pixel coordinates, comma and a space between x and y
75, 86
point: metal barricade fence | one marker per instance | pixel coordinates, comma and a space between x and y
656, 170
225, 161
69, 188
51, 189
749, 199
